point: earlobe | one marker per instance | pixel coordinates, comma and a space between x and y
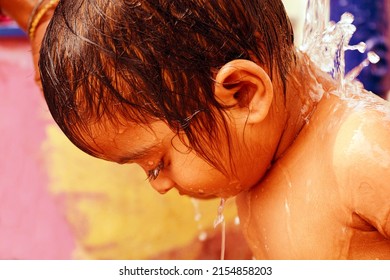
245, 89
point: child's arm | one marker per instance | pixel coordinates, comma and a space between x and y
362, 161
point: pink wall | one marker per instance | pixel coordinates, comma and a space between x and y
31, 224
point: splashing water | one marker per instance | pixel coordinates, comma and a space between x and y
325, 42
316, 19
202, 234
371, 58
220, 219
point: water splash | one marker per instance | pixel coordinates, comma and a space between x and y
316, 19
237, 221
202, 236
325, 42
371, 58
220, 219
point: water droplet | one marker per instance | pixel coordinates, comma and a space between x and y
197, 217
373, 57
202, 236
347, 18
220, 218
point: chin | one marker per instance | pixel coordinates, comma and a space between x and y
199, 196
208, 195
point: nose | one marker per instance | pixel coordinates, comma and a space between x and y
162, 184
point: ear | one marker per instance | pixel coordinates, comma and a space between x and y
245, 88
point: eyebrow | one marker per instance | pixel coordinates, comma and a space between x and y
136, 155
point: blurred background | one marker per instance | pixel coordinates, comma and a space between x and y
58, 203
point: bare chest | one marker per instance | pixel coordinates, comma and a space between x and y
294, 216
299, 212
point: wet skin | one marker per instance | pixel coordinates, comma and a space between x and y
305, 190
328, 197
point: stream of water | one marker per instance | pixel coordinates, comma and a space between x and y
326, 42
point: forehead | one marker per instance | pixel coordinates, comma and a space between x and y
124, 143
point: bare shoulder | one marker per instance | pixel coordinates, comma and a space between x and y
361, 159
364, 136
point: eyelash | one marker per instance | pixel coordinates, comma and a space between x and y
153, 174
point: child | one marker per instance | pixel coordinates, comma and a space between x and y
211, 98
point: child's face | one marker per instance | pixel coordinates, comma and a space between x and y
169, 164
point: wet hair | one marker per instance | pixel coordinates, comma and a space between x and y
146, 60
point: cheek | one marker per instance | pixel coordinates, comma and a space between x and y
195, 177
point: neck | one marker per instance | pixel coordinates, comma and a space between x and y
305, 87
